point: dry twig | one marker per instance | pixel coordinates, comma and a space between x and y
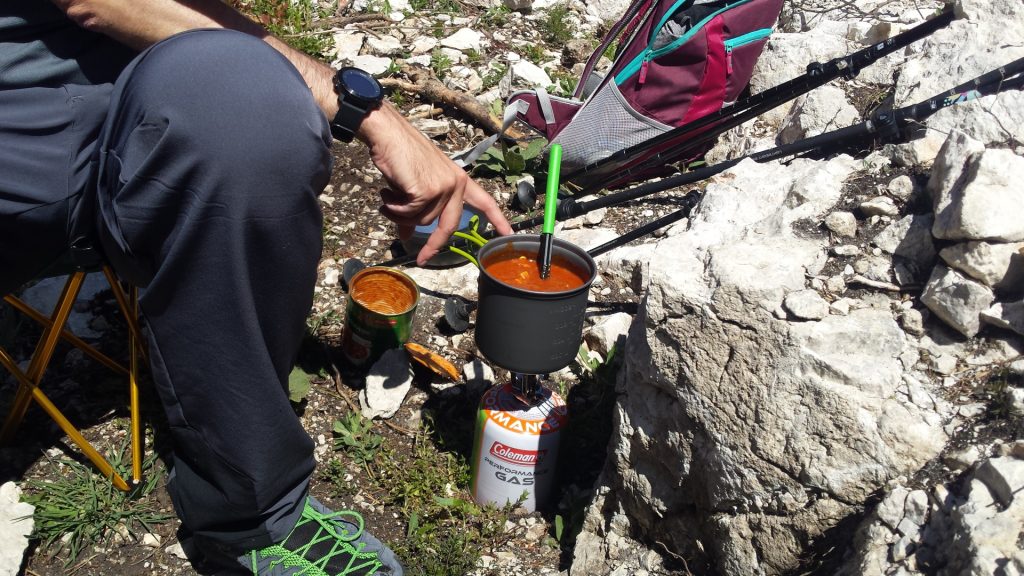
665, 549
425, 114
423, 84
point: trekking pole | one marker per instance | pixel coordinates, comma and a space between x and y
656, 151
889, 125
689, 202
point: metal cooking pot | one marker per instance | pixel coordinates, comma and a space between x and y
527, 331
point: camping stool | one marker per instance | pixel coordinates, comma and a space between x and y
54, 329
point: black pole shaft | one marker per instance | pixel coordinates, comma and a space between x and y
689, 202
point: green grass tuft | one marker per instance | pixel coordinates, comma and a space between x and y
82, 508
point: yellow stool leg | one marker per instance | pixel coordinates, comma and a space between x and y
41, 356
133, 388
36, 394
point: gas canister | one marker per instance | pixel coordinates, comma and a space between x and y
515, 447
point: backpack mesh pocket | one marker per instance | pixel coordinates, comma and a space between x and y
604, 126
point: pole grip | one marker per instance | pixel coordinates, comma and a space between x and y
551, 192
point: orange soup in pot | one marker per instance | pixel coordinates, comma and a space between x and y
521, 270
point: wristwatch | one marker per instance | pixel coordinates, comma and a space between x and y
358, 94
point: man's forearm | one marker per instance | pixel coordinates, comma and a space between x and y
140, 25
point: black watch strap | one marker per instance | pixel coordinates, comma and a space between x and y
346, 122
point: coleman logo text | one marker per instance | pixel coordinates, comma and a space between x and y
517, 455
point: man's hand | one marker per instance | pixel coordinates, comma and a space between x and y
423, 183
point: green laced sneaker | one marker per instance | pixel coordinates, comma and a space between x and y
324, 543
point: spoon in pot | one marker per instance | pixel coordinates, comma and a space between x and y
550, 204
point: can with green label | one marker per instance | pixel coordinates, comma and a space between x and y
379, 313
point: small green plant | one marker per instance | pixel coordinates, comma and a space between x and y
354, 435
338, 476
569, 524
81, 508
565, 83
495, 72
415, 484
534, 53
397, 98
434, 551
291, 20
378, 6
588, 360
447, 6
611, 51
298, 385
495, 17
558, 29
473, 56
440, 63
436, 6
314, 322
394, 68
446, 531
511, 162
437, 29
997, 391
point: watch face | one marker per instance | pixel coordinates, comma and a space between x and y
360, 83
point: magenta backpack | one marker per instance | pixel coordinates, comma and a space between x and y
678, 60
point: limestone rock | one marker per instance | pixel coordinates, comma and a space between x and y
741, 424
463, 40
975, 195
879, 206
384, 45
16, 526
347, 45
1009, 315
981, 533
997, 265
901, 188
375, 65
817, 112
957, 300
609, 332
786, 57
479, 377
607, 10
528, 74
806, 305
387, 383
842, 224
910, 240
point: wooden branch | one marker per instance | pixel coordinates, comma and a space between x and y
424, 85
342, 21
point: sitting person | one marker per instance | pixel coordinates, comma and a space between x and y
188, 146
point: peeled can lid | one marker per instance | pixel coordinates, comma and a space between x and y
443, 258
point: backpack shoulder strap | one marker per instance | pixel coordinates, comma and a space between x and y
637, 7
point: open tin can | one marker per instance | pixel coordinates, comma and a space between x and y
379, 313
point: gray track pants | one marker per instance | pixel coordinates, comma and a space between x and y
201, 169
